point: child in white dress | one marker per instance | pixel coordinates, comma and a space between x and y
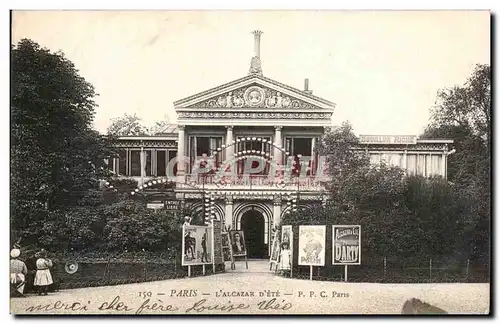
285, 259
43, 278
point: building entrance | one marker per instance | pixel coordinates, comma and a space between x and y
252, 225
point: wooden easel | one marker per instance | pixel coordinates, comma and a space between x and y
229, 247
273, 247
233, 257
233, 264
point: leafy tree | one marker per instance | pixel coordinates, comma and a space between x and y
127, 125
401, 216
463, 113
343, 163
467, 106
131, 125
131, 225
56, 156
438, 218
159, 126
359, 193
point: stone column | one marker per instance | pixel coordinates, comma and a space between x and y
276, 211
278, 142
312, 164
428, 166
405, 162
229, 140
181, 153
228, 219
443, 166
142, 159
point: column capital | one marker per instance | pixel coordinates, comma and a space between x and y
277, 201
229, 200
229, 127
278, 128
181, 127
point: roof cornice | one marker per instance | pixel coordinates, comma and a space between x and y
255, 77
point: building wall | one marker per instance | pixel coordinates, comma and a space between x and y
230, 209
424, 164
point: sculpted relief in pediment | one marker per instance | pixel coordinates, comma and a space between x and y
254, 96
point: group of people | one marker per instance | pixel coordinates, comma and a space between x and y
19, 273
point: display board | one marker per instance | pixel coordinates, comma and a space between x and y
238, 245
275, 249
346, 245
218, 256
226, 247
197, 245
312, 239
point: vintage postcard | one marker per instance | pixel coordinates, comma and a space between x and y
250, 162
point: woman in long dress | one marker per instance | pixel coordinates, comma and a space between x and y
43, 278
18, 272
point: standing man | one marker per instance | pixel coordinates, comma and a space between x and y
204, 254
189, 245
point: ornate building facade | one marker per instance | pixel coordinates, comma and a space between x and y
255, 122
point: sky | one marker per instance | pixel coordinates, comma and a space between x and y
382, 68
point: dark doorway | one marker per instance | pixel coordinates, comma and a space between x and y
252, 225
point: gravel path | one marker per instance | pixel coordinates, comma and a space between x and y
254, 291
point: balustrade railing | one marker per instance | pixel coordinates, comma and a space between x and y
253, 181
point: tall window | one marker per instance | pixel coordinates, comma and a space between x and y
135, 163
257, 146
254, 145
163, 158
161, 163
300, 146
148, 160
204, 146
172, 154
122, 163
155, 162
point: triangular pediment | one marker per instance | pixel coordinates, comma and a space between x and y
254, 92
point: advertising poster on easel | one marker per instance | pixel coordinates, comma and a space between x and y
275, 250
238, 246
312, 245
196, 245
226, 247
218, 253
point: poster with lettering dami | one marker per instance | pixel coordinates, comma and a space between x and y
346, 245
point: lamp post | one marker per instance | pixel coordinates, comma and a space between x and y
207, 202
204, 195
298, 189
297, 170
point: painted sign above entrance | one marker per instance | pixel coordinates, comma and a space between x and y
387, 139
